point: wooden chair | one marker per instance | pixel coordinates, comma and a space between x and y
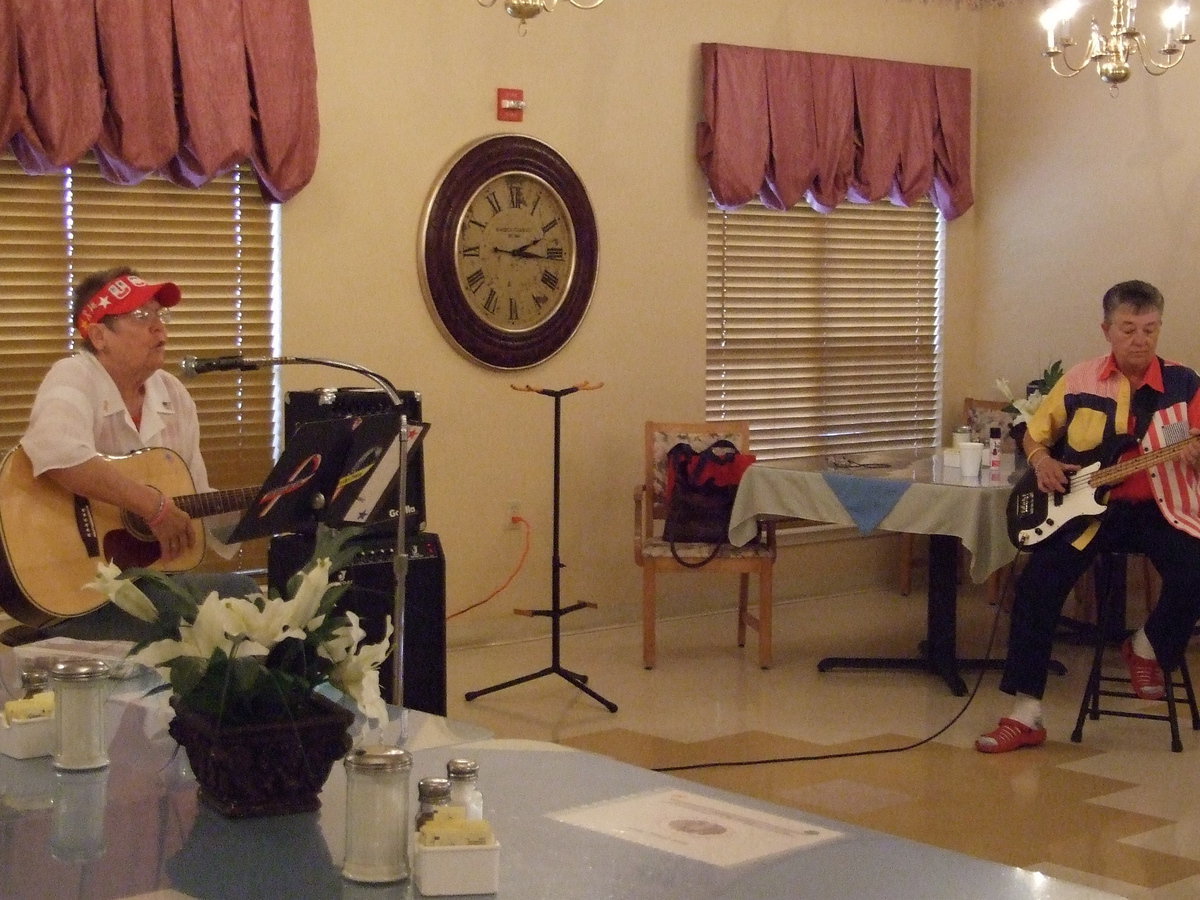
980, 415
653, 554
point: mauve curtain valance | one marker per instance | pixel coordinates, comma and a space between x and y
789, 126
184, 88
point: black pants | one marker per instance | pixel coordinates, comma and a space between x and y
1054, 566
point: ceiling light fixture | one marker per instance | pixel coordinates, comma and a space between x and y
527, 9
1111, 52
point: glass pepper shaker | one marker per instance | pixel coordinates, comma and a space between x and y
34, 681
377, 779
80, 689
432, 794
463, 775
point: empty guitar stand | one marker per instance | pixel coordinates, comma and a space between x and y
556, 610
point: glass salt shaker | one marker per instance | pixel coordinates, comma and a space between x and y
463, 775
377, 779
432, 793
34, 681
80, 691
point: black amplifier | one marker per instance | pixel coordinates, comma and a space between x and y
372, 594
302, 407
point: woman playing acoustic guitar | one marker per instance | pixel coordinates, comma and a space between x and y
91, 412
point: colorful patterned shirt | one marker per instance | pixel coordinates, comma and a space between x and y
1090, 415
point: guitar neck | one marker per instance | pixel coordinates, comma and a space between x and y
213, 503
1118, 472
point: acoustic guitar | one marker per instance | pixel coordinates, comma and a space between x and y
52, 540
1034, 515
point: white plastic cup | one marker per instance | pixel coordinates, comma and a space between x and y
970, 456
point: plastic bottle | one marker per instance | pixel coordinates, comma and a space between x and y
463, 775
994, 448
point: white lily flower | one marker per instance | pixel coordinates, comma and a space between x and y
252, 626
356, 672
313, 586
123, 592
1003, 386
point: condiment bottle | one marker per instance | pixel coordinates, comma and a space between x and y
432, 793
377, 779
34, 681
994, 448
80, 689
463, 775
961, 435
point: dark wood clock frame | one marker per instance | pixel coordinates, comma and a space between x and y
473, 167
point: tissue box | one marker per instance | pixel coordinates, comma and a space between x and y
27, 738
442, 871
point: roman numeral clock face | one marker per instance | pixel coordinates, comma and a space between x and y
516, 250
509, 252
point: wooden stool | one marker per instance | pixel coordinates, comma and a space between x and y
1110, 605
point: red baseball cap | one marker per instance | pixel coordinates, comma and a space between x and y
123, 294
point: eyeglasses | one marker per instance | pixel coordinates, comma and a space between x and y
845, 462
142, 315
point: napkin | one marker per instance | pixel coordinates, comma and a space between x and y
867, 500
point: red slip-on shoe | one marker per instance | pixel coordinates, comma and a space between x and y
1145, 675
1010, 735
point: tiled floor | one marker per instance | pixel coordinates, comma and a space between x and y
1118, 811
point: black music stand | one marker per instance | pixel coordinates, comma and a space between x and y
556, 610
300, 483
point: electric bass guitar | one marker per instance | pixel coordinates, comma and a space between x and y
1034, 515
51, 540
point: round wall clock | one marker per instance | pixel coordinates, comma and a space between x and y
508, 251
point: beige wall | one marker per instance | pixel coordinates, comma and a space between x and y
1079, 190
403, 86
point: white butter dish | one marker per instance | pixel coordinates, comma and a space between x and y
443, 871
27, 738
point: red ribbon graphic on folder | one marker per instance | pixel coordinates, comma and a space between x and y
304, 473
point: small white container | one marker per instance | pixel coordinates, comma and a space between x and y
443, 871
27, 738
970, 457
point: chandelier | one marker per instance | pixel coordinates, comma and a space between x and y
1111, 51
527, 9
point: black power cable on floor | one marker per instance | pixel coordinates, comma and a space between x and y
925, 740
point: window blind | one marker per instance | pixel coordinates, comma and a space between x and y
824, 330
216, 242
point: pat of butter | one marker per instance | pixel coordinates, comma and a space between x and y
449, 829
39, 706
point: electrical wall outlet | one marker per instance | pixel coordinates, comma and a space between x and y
514, 513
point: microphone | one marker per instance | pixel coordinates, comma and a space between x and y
191, 366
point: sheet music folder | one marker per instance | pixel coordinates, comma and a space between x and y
338, 471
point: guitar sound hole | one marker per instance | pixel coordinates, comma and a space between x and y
137, 527
126, 549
